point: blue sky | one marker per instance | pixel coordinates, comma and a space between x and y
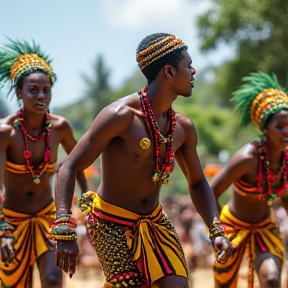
75, 32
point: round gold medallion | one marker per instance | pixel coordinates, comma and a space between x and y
145, 143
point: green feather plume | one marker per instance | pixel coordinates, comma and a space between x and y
11, 52
253, 84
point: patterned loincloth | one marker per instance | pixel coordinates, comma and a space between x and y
31, 234
243, 235
133, 249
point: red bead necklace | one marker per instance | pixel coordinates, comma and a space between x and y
163, 174
264, 168
20, 122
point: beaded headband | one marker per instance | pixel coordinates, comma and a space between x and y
157, 49
19, 58
29, 63
259, 97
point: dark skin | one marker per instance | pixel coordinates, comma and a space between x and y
244, 165
32, 198
127, 169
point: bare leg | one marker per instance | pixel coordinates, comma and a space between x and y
50, 274
172, 281
268, 268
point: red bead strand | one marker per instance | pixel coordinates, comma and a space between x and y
163, 174
264, 168
19, 121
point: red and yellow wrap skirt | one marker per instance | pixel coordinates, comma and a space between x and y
133, 249
244, 237
31, 234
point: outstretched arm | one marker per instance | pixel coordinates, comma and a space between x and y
111, 122
68, 142
200, 192
7, 241
199, 189
240, 164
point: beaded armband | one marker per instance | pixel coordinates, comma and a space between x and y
216, 229
63, 228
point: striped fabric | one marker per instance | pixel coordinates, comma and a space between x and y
247, 189
148, 242
22, 169
31, 235
243, 235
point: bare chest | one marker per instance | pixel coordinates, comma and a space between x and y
19, 144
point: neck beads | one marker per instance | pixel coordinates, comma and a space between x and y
20, 122
267, 175
159, 174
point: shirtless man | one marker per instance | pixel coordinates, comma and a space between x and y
138, 136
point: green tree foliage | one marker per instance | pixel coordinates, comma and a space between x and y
256, 30
98, 89
98, 94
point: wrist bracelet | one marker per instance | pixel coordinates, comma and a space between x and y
63, 228
216, 229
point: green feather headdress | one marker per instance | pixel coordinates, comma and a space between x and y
259, 97
18, 59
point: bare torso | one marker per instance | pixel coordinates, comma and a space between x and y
21, 193
252, 208
127, 169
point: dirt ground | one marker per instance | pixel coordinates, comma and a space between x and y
201, 278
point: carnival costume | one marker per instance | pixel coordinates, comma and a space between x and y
30, 231
257, 99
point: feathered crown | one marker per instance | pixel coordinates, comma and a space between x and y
21, 58
259, 97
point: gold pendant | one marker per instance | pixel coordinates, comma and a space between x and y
145, 143
36, 180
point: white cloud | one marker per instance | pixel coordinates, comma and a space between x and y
138, 14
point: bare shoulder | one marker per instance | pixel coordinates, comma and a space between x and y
6, 132
247, 152
6, 127
60, 123
8, 120
125, 107
185, 123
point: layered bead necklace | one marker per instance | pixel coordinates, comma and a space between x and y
20, 122
159, 174
264, 168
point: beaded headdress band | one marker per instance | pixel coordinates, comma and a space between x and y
28, 63
259, 97
158, 48
21, 58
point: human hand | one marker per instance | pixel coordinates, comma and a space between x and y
223, 249
7, 243
66, 256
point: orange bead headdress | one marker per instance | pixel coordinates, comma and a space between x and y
160, 45
259, 97
28, 63
21, 58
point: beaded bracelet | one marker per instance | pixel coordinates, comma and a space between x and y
63, 228
216, 229
6, 229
